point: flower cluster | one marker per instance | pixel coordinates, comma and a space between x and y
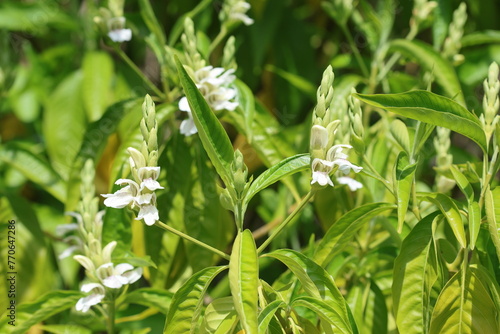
326, 157
104, 275
214, 84
140, 192
112, 22
235, 11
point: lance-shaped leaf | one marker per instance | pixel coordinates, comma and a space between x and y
30, 314
450, 211
341, 233
187, 301
247, 105
415, 272
213, 136
150, 297
465, 306
492, 201
220, 317
267, 314
403, 174
317, 283
244, 280
433, 62
285, 168
433, 109
34, 169
325, 311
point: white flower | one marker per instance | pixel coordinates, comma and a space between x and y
120, 35
116, 277
237, 12
321, 169
149, 213
97, 295
320, 172
350, 182
122, 197
62, 229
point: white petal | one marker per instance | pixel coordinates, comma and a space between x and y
91, 286
149, 213
115, 281
184, 105
108, 250
150, 184
345, 166
85, 262
144, 199
123, 267
188, 128
119, 199
67, 252
133, 275
120, 35
321, 178
85, 303
149, 172
350, 182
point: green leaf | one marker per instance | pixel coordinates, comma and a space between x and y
474, 223
422, 133
463, 183
369, 307
213, 136
325, 311
30, 314
452, 214
400, 133
341, 233
481, 37
285, 168
295, 80
317, 283
404, 174
34, 168
433, 109
464, 307
220, 317
244, 280
65, 329
433, 62
152, 23
267, 314
247, 105
492, 205
150, 297
97, 74
64, 123
415, 272
185, 307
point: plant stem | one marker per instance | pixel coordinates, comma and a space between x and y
355, 50
218, 39
374, 171
111, 316
134, 67
288, 219
193, 240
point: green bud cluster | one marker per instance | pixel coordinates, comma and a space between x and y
443, 158
228, 60
491, 103
452, 44
324, 123
189, 41
89, 204
357, 129
421, 11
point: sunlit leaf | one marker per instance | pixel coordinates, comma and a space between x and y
464, 306
404, 174
267, 314
150, 297
492, 205
433, 109
244, 280
186, 303
97, 74
341, 233
220, 317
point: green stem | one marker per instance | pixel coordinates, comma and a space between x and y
222, 34
379, 177
134, 67
355, 50
111, 316
193, 240
288, 219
